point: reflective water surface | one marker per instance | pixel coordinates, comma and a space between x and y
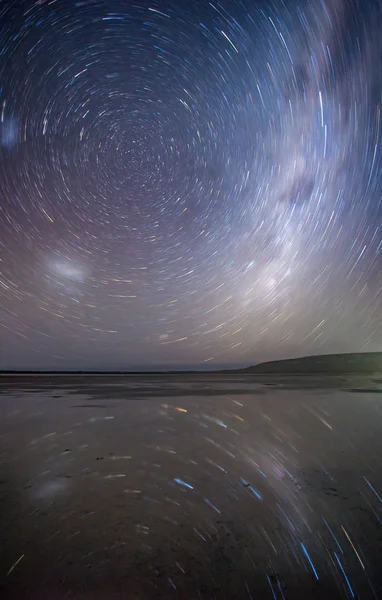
190, 486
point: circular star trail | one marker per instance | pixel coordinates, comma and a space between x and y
187, 184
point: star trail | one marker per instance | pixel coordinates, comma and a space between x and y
188, 183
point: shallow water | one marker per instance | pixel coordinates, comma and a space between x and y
190, 486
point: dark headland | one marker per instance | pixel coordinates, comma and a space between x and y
363, 362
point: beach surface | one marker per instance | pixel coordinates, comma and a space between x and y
190, 486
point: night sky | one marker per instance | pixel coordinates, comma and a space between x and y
189, 183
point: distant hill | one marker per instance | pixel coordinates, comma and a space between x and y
365, 362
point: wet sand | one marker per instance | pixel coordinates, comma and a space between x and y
190, 486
